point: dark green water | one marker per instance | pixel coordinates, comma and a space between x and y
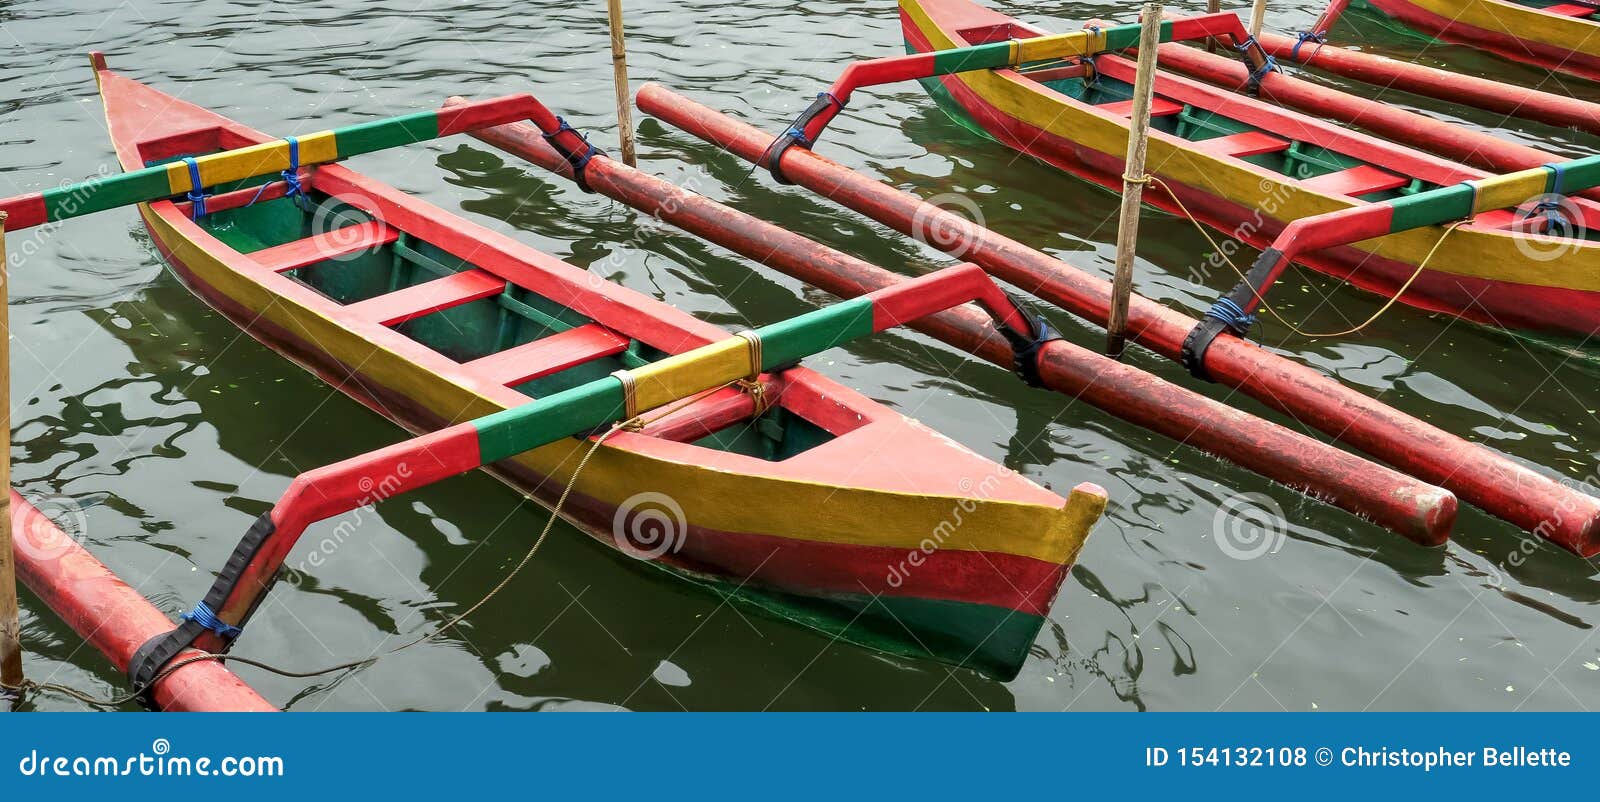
158, 432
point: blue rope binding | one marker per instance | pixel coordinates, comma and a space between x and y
291, 178
1303, 37
577, 161
197, 191
1229, 313
202, 615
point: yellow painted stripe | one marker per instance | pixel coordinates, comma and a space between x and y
246, 162
1061, 45
678, 376
1506, 191
1521, 22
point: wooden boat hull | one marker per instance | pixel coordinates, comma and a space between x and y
883, 534
1510, 30
1479, 272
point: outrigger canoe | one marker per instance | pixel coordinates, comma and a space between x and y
805, 499
1561, 35
1246, 168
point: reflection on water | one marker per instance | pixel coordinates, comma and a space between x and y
148, 418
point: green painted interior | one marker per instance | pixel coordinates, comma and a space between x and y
480, 328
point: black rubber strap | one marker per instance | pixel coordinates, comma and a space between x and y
1025, 349
1228, 314
154, 654
1193, 353
796, 135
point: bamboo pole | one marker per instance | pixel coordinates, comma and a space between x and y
1133, 180
10, 626
1212, 7
1258, 14
619, 76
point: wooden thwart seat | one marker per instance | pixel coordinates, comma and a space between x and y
1159, 107
327, 245
1247, 143
547, 355
413, 302
1358, 180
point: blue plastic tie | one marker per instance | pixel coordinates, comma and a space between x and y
197, 192
1231, 315
202, 615
1303, 37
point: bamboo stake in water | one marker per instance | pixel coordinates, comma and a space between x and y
619, 75
1133, 180
10, 627
1212, 7
1258, 13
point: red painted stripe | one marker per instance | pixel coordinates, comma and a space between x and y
821, 569
485, 113
23, 211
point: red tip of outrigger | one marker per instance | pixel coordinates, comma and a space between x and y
97, 60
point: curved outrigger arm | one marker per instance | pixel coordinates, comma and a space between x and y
1235, 311
165, 181
807, 127
335, 489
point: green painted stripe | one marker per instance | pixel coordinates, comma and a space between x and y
814, 332
978, 57
1551, 175
1125, 36
509, 433
1579, 174
353, 140
1432, 207
110, 192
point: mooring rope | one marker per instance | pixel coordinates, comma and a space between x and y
1393, 298
632, 424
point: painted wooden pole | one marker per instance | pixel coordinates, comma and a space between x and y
10, 626
619, 75
1133, 180
1258, 14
